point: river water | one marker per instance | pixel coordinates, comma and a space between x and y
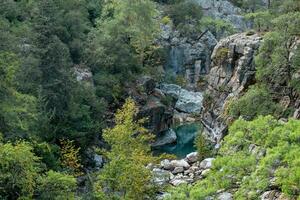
185, 140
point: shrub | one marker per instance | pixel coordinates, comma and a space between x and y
185, 11
70, 157
257, 101
166, 20
221, 55
248, 170
18, 171
203, 146
218, 27
56, 186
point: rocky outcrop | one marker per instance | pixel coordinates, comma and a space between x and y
188, 56
151, 106
184, 171
222, 9
159, 116
232, 71
83, 74
273, 195
187, 101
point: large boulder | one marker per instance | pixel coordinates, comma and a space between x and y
180, 163
166, 164
167, 137
187, 101
177, 182
178, 170
160, 176
206, 163
192, 157
225, 196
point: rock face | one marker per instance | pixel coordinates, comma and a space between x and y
159, 115
232, 71
187, 56
187, 101
222, 9
149, 100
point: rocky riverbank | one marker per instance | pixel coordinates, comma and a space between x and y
183, 171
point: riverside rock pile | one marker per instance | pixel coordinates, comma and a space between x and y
184, 171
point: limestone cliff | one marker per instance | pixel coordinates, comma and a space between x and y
232, 71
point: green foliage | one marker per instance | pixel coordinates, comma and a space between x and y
251, 155
57, 186
221, 55
184, 12
218, 27
277, 61
181, 193
166, 20
203, 146
261, 20
17, 111
18, 171
125, 176
248, 5
121, 45
257, 101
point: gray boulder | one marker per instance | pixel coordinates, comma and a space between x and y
192, 157
225, 196
178, 170
99, 161
206, 163
166, 164
167, 137
187, 101
180, 163
160, 176
177, 182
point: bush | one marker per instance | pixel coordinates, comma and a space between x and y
218, 27
186, 11
221, 55
253, 153
18, 171
56, 186
257, 101
203, 146
166, 20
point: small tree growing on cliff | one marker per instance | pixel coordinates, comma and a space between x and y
126, 175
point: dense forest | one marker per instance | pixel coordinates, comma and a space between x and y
86, 91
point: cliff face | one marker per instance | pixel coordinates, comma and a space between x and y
232, 71
222, 9
188, 56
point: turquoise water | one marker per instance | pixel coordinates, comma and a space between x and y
185, 141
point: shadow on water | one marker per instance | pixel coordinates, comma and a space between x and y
185, 141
